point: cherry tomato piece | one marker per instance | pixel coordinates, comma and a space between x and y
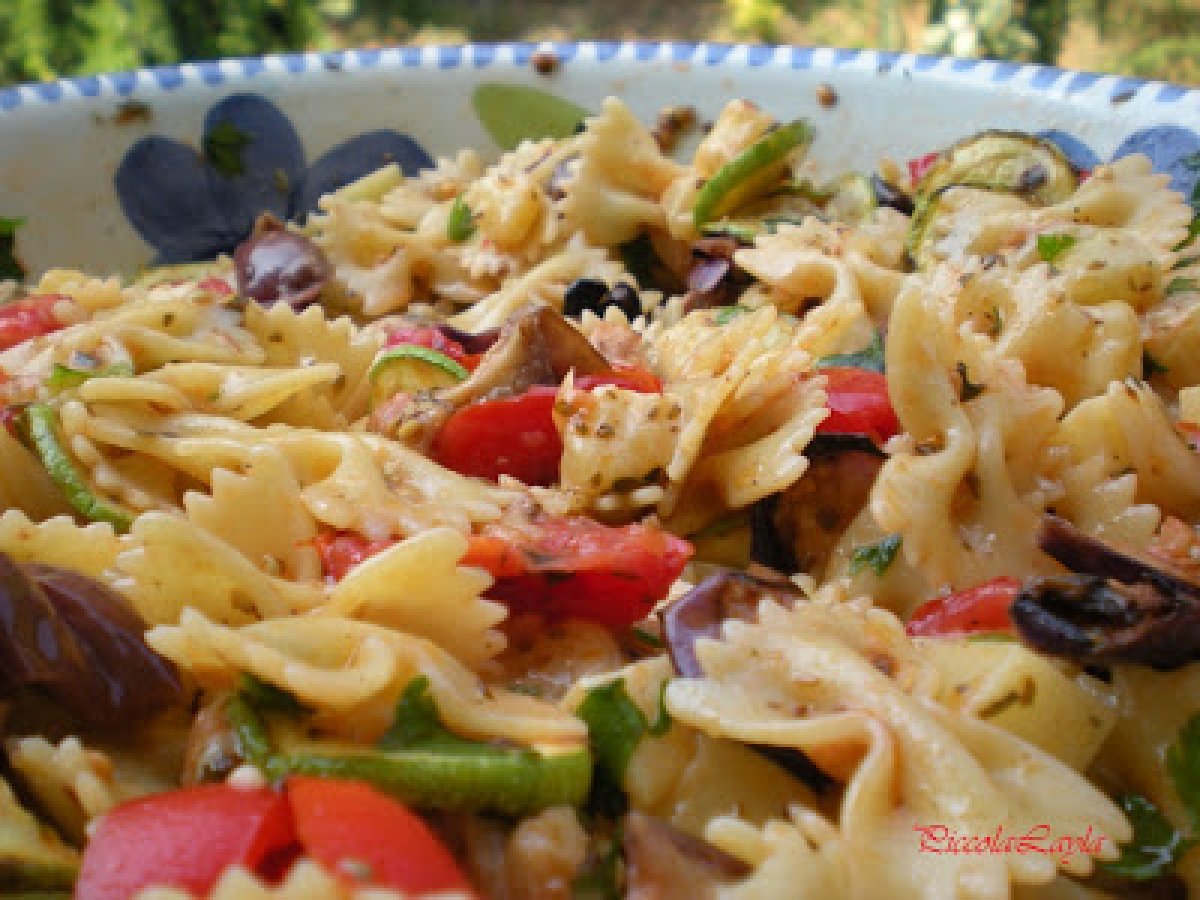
858, 403
983, 608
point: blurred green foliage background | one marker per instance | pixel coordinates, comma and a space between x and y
43, 39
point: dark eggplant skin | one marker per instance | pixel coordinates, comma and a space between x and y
78, 641
1115, 607
275, 265
794, 530
700, 613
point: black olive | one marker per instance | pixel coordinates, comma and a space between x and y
889, 195
584, 293
275, 265
626, 299
593, 294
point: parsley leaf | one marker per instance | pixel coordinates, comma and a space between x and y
1051, 246
1154, 847
417, 723
615, 726
1193, 231
727, 314
969, 390
870, 357
461, 224
263, 696
1151, 366
223, 147
1183, 765
10, 266
878, 556
1181, 284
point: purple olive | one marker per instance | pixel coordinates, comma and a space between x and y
80, 643
275, 265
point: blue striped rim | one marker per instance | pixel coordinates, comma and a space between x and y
168, 77
212, 73
1081, 81
1005, 71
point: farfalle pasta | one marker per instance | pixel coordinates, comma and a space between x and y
602, 520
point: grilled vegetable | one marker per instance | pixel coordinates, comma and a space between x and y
1011, 161
420, 762
750, 173
700, 613
410, 368
38, 425
1116, 608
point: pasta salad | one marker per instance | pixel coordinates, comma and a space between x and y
596, 524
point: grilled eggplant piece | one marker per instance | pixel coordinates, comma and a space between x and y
700, 613
1116, 607
797, 529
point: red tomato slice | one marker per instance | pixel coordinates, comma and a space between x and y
919, 167
184, 838
1191, 434
982, 608
341, 551
858, 403
28, 318
428, 336
629, 379
215, 285
366, 837
509, 436
575, 568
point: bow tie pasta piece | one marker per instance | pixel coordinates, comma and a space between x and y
616, 186
844, 685
1129, 427
416, 586
352, 674
170, 564
59, 541
965, 494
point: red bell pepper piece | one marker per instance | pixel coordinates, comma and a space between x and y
576, 568
366, 837
919, 167
184, 838
983, 608
28, 318
858, 403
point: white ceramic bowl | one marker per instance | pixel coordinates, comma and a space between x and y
111, 172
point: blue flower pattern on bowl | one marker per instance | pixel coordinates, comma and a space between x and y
191, 206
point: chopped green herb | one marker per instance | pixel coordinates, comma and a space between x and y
878, 556
269, 698
662, 719
461, 224
10, 266
1193, 230
870, 357
968, 390
646, 637
1151, 366
223, 146
615, 726
1155, 846
416, 722
62, 377
726, 314
991, 637
1181, 284
1183, 765
1051, 246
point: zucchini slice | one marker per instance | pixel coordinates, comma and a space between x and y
851, 199
412, 368
750, 173
1013, 161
